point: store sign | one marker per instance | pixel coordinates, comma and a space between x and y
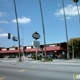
36, 35
36, 44
12, 49
3, 49
29, 47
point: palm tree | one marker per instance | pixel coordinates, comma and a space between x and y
77, 8
76, 1
65, 28
43, 27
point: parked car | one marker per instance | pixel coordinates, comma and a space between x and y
29, 56
11, 56
2, 56
78, 57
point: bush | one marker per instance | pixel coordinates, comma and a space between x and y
34, 56
38, 57
49, 59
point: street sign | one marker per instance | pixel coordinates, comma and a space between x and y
36, 35
36, 44
14, 38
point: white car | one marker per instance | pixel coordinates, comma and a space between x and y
29, 56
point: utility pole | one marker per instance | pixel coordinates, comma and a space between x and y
72, 49
22, 40
17, 30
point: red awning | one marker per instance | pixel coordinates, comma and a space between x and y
32, 50
51, 48
9, 51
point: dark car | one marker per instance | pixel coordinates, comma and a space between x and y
2, 56
78, 57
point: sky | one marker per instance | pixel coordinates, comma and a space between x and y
29, 19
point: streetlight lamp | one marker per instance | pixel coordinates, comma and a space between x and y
65, 29
43, 27
77, 9
17, 30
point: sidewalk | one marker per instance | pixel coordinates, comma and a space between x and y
55, 61
61, 62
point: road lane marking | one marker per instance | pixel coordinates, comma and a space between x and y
22, 70
2, 78
33, 66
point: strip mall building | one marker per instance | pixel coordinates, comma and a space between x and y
55, 49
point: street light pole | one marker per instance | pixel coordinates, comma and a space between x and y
17, 30
66, 29
22, 40
43, 27
14, 43
72, 49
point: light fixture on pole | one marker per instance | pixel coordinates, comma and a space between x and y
43, 27
65, 29
77, 9
17, 30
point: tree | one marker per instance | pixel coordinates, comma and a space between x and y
76, 46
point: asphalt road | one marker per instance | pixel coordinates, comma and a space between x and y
28, 71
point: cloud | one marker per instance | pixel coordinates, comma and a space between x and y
4, 22
70, 10
2, 14
23, 20
3, 35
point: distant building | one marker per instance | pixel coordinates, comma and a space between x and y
56, 50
